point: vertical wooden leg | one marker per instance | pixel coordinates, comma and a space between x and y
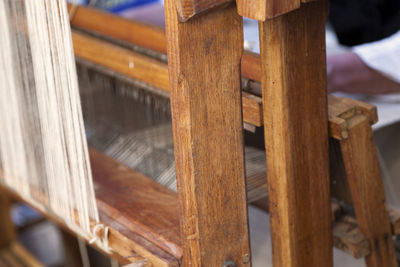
7, 229
366, 187
296, 136
204, 69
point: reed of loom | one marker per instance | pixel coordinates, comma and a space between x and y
206, 97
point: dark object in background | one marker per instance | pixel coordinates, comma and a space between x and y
362, 21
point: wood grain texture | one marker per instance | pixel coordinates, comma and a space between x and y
187, 9
262, 10
142, 215
296, 135
366, 187
147, 36
339, 109
117, 27
204, 63
136, 202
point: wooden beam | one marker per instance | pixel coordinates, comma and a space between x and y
204, 65
262, 10
117, 27
187, 9
141, 214
147, 36
296, 133
145, 69
366, 187
348, 238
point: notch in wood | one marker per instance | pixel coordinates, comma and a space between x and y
189, 8
262, 10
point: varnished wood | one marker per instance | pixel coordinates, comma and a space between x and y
296, 134
141, 214
262, 10
204, 65
363, 175
131, 202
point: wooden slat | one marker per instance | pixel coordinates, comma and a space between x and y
262, 10
348, 238
141, 214
295, 118
120, 28
133, 204
366, 187
143, 35
122, 60
204, 59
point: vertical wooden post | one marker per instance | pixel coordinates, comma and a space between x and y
7, 230
204, 69
296, 135
363, 175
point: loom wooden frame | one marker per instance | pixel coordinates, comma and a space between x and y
156, 237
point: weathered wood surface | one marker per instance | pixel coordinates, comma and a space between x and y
340, 109
295, 118
204, 65
136, 207
366, 187
357, 175
142, 215
187, 9
348, 238
262, 10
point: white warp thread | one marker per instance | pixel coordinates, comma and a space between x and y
43, 150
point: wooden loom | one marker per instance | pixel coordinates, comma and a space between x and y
206, 223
